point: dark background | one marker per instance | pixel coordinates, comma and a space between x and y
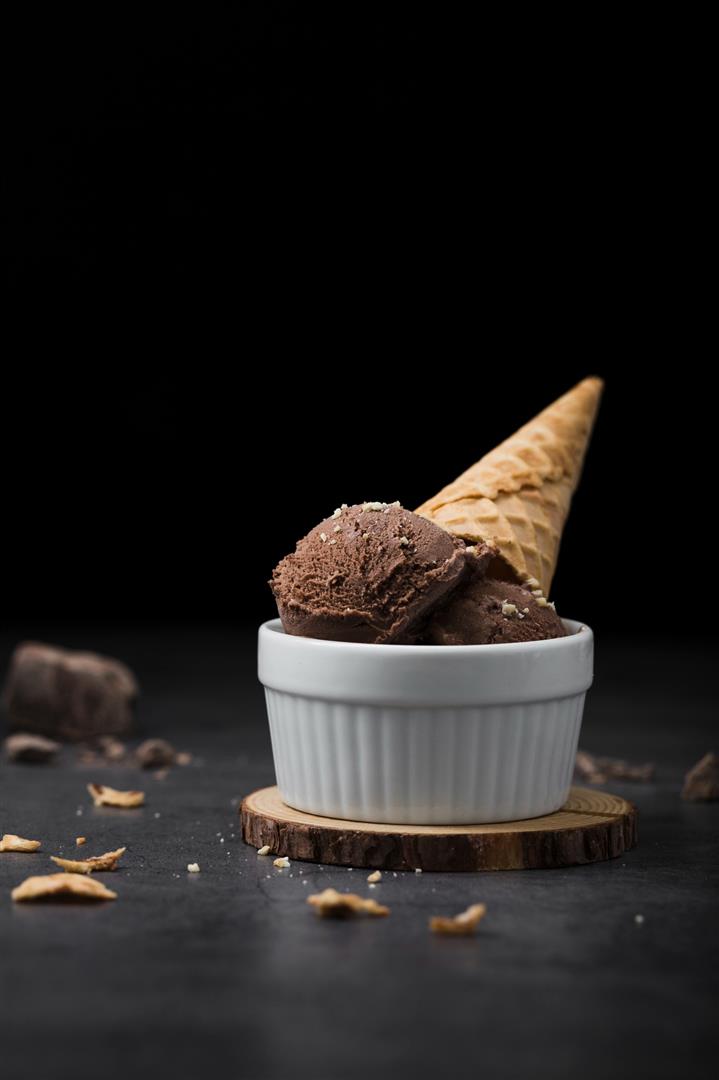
175, 500
267, 263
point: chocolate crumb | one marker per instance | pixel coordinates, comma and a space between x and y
701, 783
597, 770
24, 746
155, 753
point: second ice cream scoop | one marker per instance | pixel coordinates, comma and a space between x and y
485, 611
369, 573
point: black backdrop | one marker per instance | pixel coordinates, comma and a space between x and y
174, 499
264, 266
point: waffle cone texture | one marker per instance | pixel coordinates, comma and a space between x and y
517, 497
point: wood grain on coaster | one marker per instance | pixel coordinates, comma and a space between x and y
592, 826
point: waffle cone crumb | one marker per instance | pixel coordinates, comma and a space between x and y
465, 923
332, 904
10, 842
52, 886
108, 861
108, 796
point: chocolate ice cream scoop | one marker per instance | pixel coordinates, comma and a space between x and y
485, 611
369, 573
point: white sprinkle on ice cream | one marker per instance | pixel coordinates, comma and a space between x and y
508, 609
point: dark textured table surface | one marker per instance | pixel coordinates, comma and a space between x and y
229, 973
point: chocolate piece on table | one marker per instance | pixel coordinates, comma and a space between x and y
597, 770
701, 783
155, 753
24, 746
68, 694
110, 748
585, 766
102, 750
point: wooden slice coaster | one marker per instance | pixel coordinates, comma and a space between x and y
590, 827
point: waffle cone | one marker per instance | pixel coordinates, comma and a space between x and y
517, 497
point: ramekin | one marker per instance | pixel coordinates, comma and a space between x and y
423, 734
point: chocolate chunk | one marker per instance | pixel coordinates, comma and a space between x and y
701, 784
597, 770
155, 753
26, 747
110, 748
67, 694
585, 766
103, 750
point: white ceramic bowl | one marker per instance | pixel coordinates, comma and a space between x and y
425, 734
